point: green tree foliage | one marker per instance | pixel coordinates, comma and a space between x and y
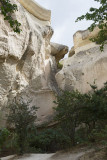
7, 9
23, 119
48, 140
88, 112
67, 112
95, 105
99, 18
79, 118
4, 134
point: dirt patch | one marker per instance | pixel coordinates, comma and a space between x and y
99, 154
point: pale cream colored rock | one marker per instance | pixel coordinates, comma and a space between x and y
28, 63
59, 51
36, 10
27, 67
82, 40
87, 65
71, 52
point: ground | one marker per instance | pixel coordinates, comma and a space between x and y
96, 153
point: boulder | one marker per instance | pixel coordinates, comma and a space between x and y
59, 51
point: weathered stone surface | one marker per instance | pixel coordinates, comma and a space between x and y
27, 67
28, 61
35, 9
71, 52
58, 50
81, 40
87, 65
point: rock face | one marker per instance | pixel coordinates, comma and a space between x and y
82, 42
27, 67
36, 10
71, 52
58, 51
28, 61
88, 64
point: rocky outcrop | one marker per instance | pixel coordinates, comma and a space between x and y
28, 61
36, 10
82, 40
87, 65
27, 67
58, 51
71, 52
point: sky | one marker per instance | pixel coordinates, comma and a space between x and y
63, 16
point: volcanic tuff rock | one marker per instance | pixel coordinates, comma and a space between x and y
85, 65
58, 51
36, 10
27, 67
28, 61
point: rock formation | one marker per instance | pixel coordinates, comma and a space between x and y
86, 64
58, 51
71, 52
27, 67
28, 61
36, 10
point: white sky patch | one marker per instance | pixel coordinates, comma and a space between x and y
58, 34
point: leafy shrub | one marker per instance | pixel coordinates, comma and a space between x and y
59, 65
81, 118
7, 9
84, 113
22, 118
49, 140
68, 112
4, 134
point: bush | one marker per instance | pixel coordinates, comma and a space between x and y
4, 134
59, 66
49, 140
22, 118
7, 9
84, 113
81, 119
68, 112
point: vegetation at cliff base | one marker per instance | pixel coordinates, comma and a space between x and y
4, 135
7, 9
83, 117
80, 119
23, 118
99, 18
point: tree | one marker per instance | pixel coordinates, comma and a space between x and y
73, 109
96, 105
99, 18
4, 134
67, 112
22, 118
7, 9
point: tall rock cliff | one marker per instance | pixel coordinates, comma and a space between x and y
28, 61
27, 67
85, 65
